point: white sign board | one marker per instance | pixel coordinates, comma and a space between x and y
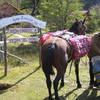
23, 39
22, 18
23, 30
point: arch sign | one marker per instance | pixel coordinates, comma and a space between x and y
17, 19
22, 18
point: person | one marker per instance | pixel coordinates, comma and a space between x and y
96, 69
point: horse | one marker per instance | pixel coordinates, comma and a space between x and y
57, 53
94, 51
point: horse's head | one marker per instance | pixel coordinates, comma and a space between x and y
78, 27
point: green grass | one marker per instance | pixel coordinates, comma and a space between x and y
26, 51
31, 85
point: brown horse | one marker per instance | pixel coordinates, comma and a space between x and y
56, 52
94, 51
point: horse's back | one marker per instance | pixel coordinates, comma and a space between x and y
60, 51
60, 45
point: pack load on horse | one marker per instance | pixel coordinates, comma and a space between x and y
58, 52
94, 56
81, 46
80, 43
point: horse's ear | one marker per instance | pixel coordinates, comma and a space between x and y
84, 20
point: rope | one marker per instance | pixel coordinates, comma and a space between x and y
36, 69
70, 67
85, 62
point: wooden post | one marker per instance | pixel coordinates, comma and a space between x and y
40, 49
5, 53
1, 48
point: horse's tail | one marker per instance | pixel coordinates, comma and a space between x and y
48, 60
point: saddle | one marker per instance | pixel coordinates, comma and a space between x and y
46, 36
80, 43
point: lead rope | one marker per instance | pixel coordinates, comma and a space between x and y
70, 58
70, 67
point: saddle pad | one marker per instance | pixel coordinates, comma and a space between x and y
67, 35
59, 33
81, 45
46, 36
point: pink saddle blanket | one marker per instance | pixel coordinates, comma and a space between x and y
81, 45
51, 34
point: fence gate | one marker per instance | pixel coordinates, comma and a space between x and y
17, 19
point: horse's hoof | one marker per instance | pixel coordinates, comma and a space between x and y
79, 86
50, 98
95, 84
57, 98
61, 85
90, 87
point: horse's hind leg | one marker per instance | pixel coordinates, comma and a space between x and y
62, 79
56, 82
77, 73
62, 82
49, 84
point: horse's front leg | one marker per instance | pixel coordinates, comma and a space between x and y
91, 74
77, 73
62, 78
49, 84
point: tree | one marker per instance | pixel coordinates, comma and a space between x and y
32, 5
59, 14
18, 3
35, 6
94, 23
26, 4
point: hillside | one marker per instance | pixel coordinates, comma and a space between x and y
90, 3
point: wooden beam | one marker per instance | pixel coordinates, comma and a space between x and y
5, 52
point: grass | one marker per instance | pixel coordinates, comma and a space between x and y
26, 51
30, 85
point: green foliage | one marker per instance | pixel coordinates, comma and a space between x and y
31, 5
27, 4
94, 23
26, 51
59, 14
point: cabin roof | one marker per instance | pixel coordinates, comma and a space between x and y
8, 10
